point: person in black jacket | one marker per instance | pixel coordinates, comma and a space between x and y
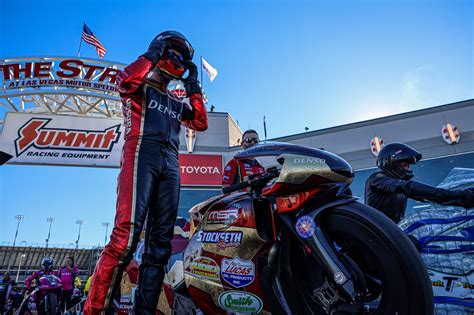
389, 189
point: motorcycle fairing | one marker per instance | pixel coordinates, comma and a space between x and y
231, 214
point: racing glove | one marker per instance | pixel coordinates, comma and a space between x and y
419, 191
155, 51
191, 83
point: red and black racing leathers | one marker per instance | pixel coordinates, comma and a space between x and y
148, 187
237, 170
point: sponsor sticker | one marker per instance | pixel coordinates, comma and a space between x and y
305, 226
226, 216
205, 267
241, 302
237, 272
222, 239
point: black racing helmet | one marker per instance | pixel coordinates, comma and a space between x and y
392, 154
177, 41
47, 263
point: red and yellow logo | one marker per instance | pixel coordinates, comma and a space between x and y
35, 134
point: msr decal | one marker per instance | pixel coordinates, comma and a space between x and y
226, 216
222, 239
237, 272
35, 134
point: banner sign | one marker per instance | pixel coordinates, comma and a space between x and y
62, 140
200, 169
59, 72
86, 141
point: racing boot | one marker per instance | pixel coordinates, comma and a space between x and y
149, 288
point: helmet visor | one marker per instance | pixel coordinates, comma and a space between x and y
172, 64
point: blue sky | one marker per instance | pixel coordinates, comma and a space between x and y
301, 64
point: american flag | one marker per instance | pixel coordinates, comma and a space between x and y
90, 38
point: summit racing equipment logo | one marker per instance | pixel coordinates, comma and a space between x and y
35, 134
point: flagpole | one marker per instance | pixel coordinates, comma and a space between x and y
80, 42
79, 50
202, 82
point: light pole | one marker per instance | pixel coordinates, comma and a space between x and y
19, 266
18, 217
50, 220
80, 222
106, 224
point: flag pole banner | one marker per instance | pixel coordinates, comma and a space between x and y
210, 70
91, 39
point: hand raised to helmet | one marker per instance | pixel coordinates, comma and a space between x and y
156, 50
191, 83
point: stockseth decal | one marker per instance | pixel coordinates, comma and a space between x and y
222, 239
34, 134
226, 216
305, 226
240, 302
205, 267
238, 273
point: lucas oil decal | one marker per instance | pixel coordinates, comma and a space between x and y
222, 239
240, 302
205, 267
238, 273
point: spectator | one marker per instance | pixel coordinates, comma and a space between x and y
88, 284
67, 274
5, 286
236, 171
15, 298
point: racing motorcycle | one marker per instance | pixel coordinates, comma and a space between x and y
293, 241
45, 296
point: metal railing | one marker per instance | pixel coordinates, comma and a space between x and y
50, 245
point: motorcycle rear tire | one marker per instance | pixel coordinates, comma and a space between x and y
377, 245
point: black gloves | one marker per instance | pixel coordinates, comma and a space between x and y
191, 83
462, 198
155, 51
466, 197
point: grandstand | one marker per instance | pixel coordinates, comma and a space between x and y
12, 258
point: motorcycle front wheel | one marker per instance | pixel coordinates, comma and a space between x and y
51, 308
389, 272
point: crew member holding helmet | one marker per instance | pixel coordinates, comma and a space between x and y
389, 189
148, 184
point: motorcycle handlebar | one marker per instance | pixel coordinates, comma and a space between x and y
271, 173
236, 187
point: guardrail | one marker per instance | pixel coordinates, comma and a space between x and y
43, 245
